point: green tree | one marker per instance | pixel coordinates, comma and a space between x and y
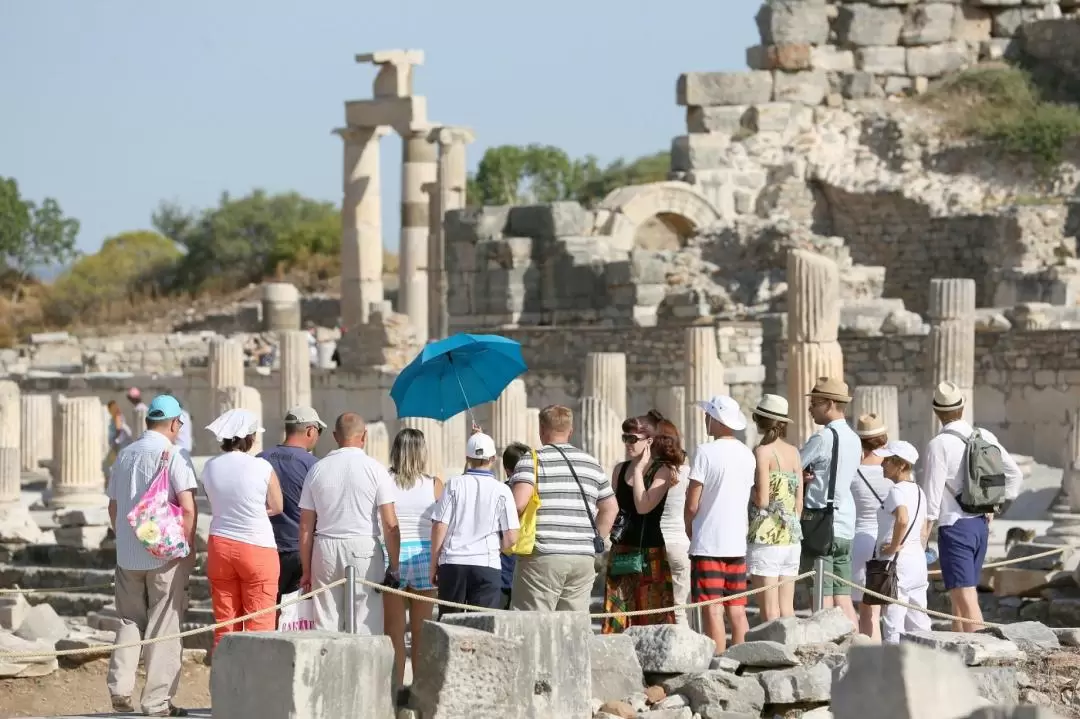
643, 170
32, 236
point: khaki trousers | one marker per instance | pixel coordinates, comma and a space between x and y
149, 604
553, 582
678, 558
329, 557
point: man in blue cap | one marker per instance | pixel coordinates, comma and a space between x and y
150, 592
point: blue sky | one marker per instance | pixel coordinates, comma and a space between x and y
111, 106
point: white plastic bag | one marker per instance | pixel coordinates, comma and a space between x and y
299, 617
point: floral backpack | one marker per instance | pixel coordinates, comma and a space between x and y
158, 523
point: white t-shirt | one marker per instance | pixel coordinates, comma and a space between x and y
866, 504
345, 490
725, 469
672, 521
911, 496
414, 507
236, 484
476, 507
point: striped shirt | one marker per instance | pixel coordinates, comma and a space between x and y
131, 475
562, 522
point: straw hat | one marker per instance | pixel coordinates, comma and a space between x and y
830, 388
773, 407
870, 425
948, 396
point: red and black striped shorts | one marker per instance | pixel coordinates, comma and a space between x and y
716, 577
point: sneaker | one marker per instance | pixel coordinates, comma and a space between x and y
122, 704
169, 711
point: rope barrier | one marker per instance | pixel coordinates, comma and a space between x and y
45, 590
1017, 560
924, 610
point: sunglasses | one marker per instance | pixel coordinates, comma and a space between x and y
632, 439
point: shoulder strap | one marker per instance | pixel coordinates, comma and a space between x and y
869, 486
622, 471
911, 524
954, 433
779, 465
832, 468
581, 489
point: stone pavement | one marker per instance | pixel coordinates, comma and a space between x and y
194, 713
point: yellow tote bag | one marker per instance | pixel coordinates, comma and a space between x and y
527, 532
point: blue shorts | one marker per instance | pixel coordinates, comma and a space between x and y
962, 550
415, 565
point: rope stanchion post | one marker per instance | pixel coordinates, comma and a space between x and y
819, 583
350, 599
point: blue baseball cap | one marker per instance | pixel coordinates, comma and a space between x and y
164, 406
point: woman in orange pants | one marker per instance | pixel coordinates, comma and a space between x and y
244, 493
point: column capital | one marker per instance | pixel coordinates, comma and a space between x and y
451, 135
355, 135
395, 75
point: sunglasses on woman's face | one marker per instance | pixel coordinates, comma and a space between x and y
631, 439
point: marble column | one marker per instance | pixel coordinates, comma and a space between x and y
671, 402
456, 431
295, 369
36, 431
704, 375
10, 414
532, 424
601, 432
509, 418
435, 438
226, 363
361, 225
1065, 512
378, 443
448, 194
813, 301
605, 379
280, 307
419, 167
243, 398
882, 400
952, 340
78, 454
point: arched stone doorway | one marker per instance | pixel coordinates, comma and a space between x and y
656, 216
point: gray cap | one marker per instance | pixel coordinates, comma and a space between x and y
304, 415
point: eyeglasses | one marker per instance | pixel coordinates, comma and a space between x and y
632, 439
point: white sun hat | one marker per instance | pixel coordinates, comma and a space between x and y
899, 448
725, 410
234, 424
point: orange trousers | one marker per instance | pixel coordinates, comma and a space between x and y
243, 579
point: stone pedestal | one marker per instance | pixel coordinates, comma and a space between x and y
601, 433
378, 443
952, 339
295, 368
881, 400
242, 398
509, 418
78, 480
671, 402
704, 380
361, 225
435, 437
280, 307
10, 411
226, 363
418, 168
605, 379
36, 431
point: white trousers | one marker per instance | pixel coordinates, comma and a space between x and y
678, 558
329, 557
911, 585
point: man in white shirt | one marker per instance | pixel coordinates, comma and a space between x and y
962, 536
721, 478
473, 520
150, 593
345, 497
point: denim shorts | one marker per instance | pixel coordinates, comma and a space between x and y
962, 551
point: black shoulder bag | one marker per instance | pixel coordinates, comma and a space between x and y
598, 541
881, 573
622, 519
817, 523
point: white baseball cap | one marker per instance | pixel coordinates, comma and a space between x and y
480, 446
725, 410
899, 448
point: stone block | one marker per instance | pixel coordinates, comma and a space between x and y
828, 625
473, 224
671, 649
463, 672
722, 119
796, 685
763, 654
997, 685
997, 3
616, 671
898, 85
972, 25
1029, 636
791, 58
860, 86
832, 59
1012, 582
937, 60
1024, 711
84, 537
783, 22
554, 219
771, 117
89, 517
974, 649
700, 152
713, 692
29, 666
42, 622
318, 675
1007, 23
863, 25
882, 60
707, 89
1027, 549
808, 88
928, 24
13, 609
554, 661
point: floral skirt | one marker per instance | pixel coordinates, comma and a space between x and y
652, 589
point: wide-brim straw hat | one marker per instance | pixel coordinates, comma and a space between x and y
830, 388
948, 396
870, 425
773, 406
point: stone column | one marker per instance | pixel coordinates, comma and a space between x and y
418, 169
601, 432
378, 442
456, 431
532, 424
280, 307
36, 430
448, 194
605, 379
10, 437
361, 225
671, 402
952, 340
704, 379
813, 301
78, 480
436, 445
510, 418
226, 363
1065, 512
243, 398
882, 400
295, 369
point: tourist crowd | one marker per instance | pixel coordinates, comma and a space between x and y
670, 527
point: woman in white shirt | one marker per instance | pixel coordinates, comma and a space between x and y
869, 491
414, 502
902, 535
244, 493
673, 523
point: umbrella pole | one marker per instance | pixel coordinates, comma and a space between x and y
468, 405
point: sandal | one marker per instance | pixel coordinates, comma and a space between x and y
122, 704
169, 711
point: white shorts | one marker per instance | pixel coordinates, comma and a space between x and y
773, 560
862, 549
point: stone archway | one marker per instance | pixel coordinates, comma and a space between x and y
656, 216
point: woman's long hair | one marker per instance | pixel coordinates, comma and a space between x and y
408, 457
771, 429
667, 446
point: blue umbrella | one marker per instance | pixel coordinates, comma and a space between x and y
456, 374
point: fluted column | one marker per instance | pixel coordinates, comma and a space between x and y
1065, 511
361, 225
532, 422
36, 431
435, 436
243, 398
295, 368
510, 418
10, 422
280, 307
226, 363
882, 400
378, 443
418, 168
671, 402
704, 379
813, 301
605, 379
952, 339
448, 194
78, 453
456, 431
601, 432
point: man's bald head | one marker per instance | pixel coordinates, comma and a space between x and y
350, 430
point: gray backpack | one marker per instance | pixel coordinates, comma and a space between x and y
983, 488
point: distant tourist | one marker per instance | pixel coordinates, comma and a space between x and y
721, 479
134, 396
185, 440
244, 493
347, 495
869, 490
513, 454
292, 460
119, 433
673, 520
774, 534
962, 535
313, 343
560, 572
150, 593
829, 461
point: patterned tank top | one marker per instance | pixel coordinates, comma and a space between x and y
779, 525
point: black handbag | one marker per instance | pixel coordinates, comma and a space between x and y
817, 523
881, 573
598, 541
622, 519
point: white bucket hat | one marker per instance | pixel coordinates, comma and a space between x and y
773, 406
948, 396
724, 410
899, 448
234, 424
